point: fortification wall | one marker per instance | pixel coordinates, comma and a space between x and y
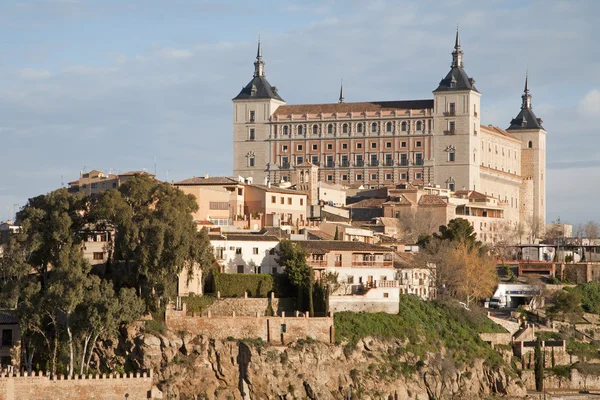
276, 330
360, 303
43, 387
248, 307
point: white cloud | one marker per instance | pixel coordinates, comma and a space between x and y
30, 73
590, 104
176, 53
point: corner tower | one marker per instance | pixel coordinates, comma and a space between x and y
455, 127
528, 128
252, 110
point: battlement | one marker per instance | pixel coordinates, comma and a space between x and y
46, 374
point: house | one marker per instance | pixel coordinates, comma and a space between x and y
246, 253
10, 340
347, 232
278, 206
95, 182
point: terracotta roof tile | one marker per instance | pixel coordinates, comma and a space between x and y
324, 246
368, 203
432, 200
275, 189
213, 180
370, 106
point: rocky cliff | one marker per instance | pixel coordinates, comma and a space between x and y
197, 367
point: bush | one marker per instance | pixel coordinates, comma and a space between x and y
155, 327
234, 285
197, 304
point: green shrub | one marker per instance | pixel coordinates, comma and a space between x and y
198, 304
154, 326
562, 371
234, 285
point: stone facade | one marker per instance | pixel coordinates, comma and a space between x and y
275, 330
249, 307
438, 141
43, 387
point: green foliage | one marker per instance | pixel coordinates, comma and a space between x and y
155, 327
566, 304
426, 326
562, 371
458, 230
198, 304
337, 234
539, 367
589, 294
584, 351
234, 285
293, 258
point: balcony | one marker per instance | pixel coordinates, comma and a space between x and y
345, 163
373, 163
403, 163
359, 163
449, 113
372, 264
388, 163
329, 164
317, 263
449, 132
382, 284
418, 162
285, 165
338, 264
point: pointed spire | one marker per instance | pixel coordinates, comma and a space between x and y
457, 53
526, 104
341, 99
259, 64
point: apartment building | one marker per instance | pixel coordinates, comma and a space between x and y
242, 253
95, 182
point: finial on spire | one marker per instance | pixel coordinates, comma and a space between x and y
341, 99
259, 64
526, 95
457, 41
527, 81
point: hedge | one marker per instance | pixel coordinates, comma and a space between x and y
257, 285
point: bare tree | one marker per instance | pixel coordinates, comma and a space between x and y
591, 230
534, 228
418, 222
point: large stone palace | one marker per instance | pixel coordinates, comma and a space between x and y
432, 142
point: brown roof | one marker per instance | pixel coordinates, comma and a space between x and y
499, 131
370, 106
213, 180
324, 246
275, 189
432, 200
368, 203
470, 194
319, 234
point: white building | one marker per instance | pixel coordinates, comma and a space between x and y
246, 253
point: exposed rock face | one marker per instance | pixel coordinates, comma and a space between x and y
188, 367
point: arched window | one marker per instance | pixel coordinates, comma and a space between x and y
359, 128
388, 127
345, 128
419, 126
530, 144
330, 128
315, 129
374, 127
285, 130
403, 126
300, 130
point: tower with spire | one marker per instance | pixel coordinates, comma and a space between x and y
527, 127
455, 127
252, 109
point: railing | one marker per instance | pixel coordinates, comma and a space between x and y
359, 163
388, 163
419, 162
449, 132
449, 113
345, 164
317, 263
403, 163
386, 284
338, 264
375, 264
329, 164
285, 165
373, 163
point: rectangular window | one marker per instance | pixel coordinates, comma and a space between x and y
419, 175
251, 134
301, 202
255, 250
218, 205
418, 143
329, 146
451, 126
344, 177
299, 160
403, 176
329, 178
451, 186
299, 147
451, 156
419, 158
403, 159
315, 160
373, 145
315, 147
359, 145
452, 108
285, 162
251, 161
289, 201
240, 269
373, 177
94, 185
98, 255
252, 116
329, 161
7, 337
282, 200
386, 295
238, 250
388, 177
388, 145
284, 147
350, 279
359, 177
359, 160
274, 270
344, 146
403, 144
373, 160
273, 199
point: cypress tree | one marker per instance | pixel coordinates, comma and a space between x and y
539, 367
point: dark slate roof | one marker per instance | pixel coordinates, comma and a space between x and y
8, 317
531, 121
463, 82
324, 246
264, 90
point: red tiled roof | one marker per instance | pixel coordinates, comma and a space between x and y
213, 180
275, 189
432, 200
368, 203
370, 106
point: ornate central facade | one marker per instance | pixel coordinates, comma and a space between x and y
439, 141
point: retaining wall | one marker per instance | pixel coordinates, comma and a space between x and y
249, 306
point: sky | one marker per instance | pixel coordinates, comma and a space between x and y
119, 85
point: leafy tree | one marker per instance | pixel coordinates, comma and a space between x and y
458, 230
301, 275
568, 305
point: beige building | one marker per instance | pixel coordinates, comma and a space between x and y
438, 142
95, 182
278, 206
10, 339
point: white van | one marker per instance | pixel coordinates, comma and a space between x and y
497, 302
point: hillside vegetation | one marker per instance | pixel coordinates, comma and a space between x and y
424, 327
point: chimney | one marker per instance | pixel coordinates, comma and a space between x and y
206, 176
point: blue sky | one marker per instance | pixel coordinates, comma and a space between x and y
107, 84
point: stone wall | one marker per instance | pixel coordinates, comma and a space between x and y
43, 387
496, 338
576, 381
249, 307
510, 326
360, 303
276, 330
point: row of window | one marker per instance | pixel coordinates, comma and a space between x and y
282, 200
360, 160
95, 185
220, 251
359, 127
315, 146
388, 177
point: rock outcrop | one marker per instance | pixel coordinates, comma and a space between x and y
197, 367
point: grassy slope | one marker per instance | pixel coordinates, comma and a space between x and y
427, 326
